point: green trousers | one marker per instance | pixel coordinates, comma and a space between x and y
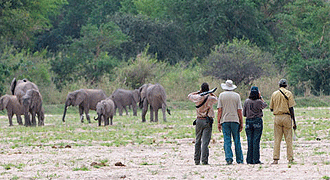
203, 137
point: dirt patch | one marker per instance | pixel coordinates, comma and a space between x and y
158, 161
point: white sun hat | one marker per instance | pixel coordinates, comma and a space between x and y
229, 85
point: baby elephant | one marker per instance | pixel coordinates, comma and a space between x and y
32, 102
105, 109
10, 102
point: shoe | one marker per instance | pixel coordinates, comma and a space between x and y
229, 162
197, 163
205, 163
275, 162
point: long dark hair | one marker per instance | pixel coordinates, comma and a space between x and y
254, 93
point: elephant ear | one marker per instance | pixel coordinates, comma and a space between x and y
4, 101
36, 98
80, 96
13, 85
136, 95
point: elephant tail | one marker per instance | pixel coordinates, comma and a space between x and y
168, 111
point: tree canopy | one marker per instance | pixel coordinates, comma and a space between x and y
85, 39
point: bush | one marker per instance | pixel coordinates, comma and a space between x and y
239, 61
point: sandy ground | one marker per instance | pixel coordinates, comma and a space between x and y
159, 161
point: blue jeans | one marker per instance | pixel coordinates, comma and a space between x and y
232, 129
253, 131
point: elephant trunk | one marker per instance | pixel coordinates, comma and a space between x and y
141, 103
65, 108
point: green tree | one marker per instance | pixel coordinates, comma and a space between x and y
304, 45
21, 20
87, 57
165, 39
239, 61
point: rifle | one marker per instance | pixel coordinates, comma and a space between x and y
208, 92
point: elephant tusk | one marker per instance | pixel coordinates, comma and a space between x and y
95, 118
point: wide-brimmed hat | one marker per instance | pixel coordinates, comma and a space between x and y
228, 85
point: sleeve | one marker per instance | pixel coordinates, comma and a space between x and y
194, 97
263, 104
213, 99
271, 103
219, 102
239, 102
244, 108
291, 100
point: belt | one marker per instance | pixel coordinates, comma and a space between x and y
284, 114
201, 117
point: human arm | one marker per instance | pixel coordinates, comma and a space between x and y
293, 118
219, 118
240, 117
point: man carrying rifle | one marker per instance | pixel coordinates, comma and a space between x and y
204, 101
281, 104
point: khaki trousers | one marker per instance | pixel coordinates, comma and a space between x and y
282, 125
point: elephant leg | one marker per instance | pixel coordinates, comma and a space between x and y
33, 122
134, 110
111, 120
27, 119
156, 114
40, 119
164, 112
144, 111
81, 111
100, 120
19, 119
126, 110
87, 115
120, 110
106, 121
10, 118
151, 114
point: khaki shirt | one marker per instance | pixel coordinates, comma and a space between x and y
207, 108
279, 104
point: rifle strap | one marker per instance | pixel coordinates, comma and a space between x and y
200, 105
286, 97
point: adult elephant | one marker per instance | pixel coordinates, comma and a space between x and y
32, 102
123, 98
10, 102
86, 99
19, 89
155, 96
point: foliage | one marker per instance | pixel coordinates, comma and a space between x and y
20, 20
87, 57
141, 70
165, 39
239, 61
304, 48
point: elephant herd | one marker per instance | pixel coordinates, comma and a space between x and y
26, 100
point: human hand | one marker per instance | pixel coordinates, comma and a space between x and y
294, 126
219, 127
240, 127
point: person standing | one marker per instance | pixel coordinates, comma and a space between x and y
230, 120
252, 110
204, 121
281, 104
